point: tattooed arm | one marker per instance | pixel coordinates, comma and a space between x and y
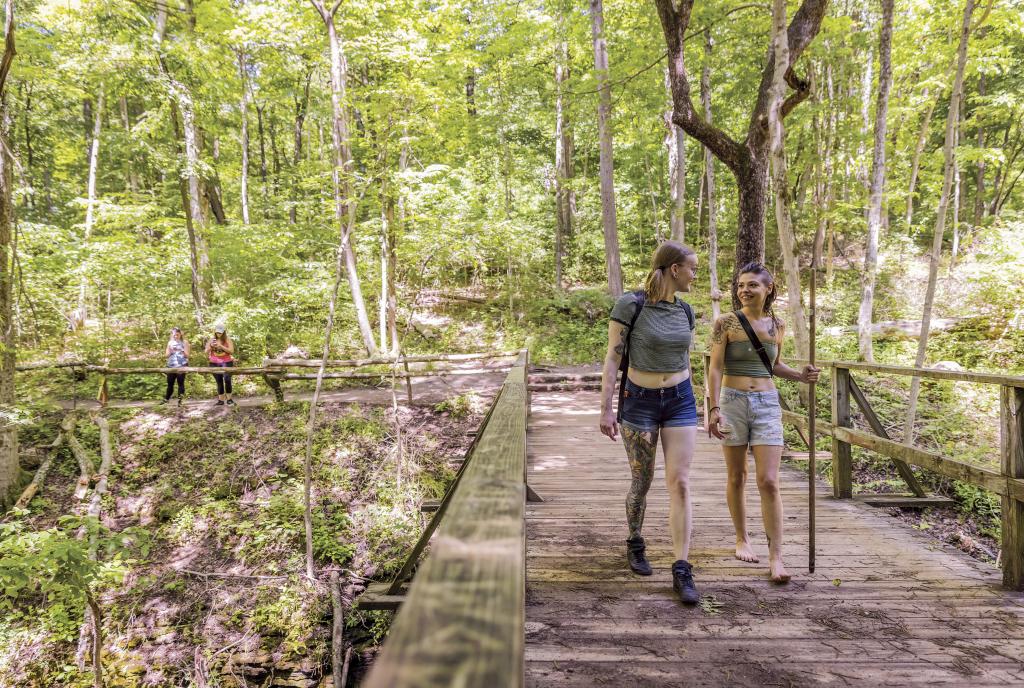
808, 374
612, 358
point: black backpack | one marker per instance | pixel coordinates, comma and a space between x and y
639, 297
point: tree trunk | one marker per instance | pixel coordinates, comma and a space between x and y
979, 178
604, 109
301, 108
9, 468
949, 160
780, 179
244, 107
564, 202
181, 104
675, 143
915, 163
747, 159
78, 319
344, 197
709, 183
877, 185
263, 159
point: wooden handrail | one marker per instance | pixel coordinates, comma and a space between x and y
931, 373
462, 622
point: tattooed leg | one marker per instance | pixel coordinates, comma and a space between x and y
640, 450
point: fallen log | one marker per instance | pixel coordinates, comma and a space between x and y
44, 468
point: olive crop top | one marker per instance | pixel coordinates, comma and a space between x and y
741, 358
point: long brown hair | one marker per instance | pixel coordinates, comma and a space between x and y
665, 256
765, 275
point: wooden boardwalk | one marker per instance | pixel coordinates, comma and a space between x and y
887, 606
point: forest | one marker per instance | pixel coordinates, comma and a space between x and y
364, 179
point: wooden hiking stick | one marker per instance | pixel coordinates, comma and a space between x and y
812, 387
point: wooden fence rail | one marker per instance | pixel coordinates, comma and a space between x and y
462, 622
274, 371
1007, 482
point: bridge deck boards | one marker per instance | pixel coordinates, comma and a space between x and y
887, 606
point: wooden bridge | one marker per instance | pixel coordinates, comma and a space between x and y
513, 593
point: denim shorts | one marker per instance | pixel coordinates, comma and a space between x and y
752, 417
645, 409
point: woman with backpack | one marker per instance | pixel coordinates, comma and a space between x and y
649, 335
746, 351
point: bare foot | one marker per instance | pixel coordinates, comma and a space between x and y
744, 552
778, 572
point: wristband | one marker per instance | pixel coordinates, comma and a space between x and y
714, 408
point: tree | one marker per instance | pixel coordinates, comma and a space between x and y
747, 159
709, 182
780, 178
565, 197
949, 159
877, 185
344, 195
9, 468
604, 108
78, 319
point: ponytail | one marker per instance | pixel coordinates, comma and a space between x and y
669, 253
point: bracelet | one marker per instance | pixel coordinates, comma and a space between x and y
714, 408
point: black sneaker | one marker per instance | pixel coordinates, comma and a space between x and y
682, 582
635, 549
220, 402
163, 401
231, 402
181, 400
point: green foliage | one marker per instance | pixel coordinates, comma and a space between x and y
460, 406
54, 565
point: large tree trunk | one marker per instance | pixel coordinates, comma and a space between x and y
564, 195
604, 108
877, 185
747, 159
949, 160
344, 196
709, 183
78, 319
9, 468
780, 179
244, 107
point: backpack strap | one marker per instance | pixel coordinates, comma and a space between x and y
639, 297
752, 336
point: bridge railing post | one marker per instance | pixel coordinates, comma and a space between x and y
842, 452
1011, 412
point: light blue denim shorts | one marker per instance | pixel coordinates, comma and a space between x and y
752, 417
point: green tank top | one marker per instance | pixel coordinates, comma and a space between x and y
741, 358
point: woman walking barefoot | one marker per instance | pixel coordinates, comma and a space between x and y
654, 329
745, 408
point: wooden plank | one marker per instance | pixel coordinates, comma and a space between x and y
378, 598
931, 373
886, 605
876, 425
904, 501
985, 478
462, 622
842, 456
1011, 414
386, 360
